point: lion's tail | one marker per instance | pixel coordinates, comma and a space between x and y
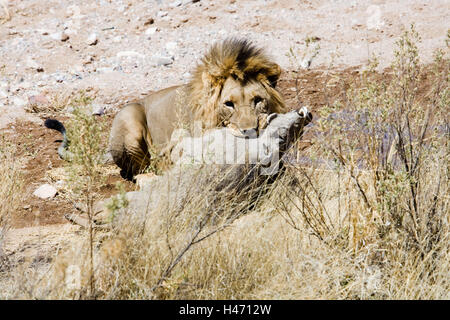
62, 150
58, 126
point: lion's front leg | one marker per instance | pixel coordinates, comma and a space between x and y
129, 140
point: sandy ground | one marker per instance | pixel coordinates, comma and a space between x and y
120, 50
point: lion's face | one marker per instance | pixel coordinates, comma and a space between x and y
234, 86
244, 107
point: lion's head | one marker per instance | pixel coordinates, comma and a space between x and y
234, 86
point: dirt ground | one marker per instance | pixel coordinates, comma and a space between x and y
120, 50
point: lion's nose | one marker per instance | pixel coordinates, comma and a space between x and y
250, 133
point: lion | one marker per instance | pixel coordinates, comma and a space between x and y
234, 86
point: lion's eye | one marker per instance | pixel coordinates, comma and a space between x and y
229, 104
257, 100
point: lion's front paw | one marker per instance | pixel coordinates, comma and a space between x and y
143, 179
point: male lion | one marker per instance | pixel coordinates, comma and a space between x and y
233, 86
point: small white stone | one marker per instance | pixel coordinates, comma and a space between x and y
92, 39
98, 109
129, 54
176, 3
60, 36
151, 31
162, 14
46, 191
163, 61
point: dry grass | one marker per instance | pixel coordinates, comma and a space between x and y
367, 218
11, 187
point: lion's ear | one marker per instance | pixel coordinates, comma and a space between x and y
273, 74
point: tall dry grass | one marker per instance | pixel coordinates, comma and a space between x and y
11, 187
364, 216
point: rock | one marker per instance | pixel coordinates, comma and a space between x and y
98, 109
175, 4
129, 54
184, 2
151, 31
148, 21
60, 36
163, 61
45, 191
162, 14
92, 39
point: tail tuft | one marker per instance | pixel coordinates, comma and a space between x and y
58, 126
55, 125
